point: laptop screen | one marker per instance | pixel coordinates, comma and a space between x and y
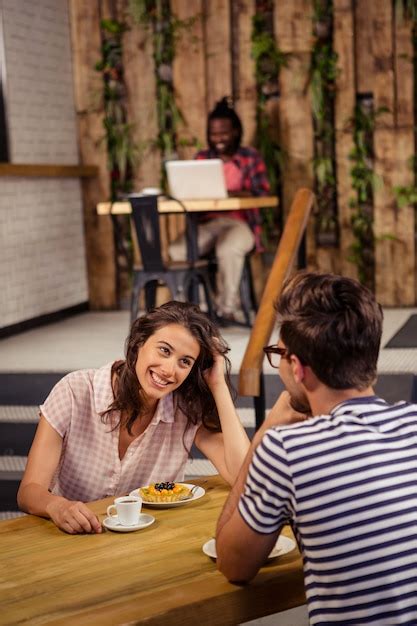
196, 179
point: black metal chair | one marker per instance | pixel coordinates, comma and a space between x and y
248, 300
180, 277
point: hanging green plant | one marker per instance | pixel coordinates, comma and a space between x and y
407, 194
406, 9
122, 151
166, 30
268, 62
323, 74
364, 182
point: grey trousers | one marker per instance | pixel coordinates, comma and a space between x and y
232, 239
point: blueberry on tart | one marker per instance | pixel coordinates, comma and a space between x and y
165, 492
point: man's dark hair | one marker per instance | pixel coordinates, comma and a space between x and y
223, 109
332, 324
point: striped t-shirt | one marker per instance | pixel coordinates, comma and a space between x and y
347, 484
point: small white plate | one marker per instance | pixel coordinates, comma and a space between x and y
198, 493
282, 546
112, 523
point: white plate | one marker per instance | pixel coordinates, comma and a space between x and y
282, 546
198, 493
112, 523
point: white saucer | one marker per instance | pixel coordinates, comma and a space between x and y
282, 546
112, 523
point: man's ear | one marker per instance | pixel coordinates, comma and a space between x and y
297, 368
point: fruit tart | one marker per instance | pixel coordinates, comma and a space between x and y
165, 492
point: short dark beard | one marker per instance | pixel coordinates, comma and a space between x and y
300, 406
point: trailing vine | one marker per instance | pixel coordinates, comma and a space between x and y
323, 75
268, 62
407, 194
166, 29
122, 152
407, 9
364, 181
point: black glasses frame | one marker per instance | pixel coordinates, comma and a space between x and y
270, 350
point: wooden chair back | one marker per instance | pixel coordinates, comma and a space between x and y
285, 257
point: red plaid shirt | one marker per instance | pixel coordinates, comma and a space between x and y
252, 166
254, 179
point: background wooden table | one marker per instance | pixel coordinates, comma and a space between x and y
158, 575
194, 206
173, 213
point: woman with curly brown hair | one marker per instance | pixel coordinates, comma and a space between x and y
130, 423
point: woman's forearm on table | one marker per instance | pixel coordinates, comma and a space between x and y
35, 499
71, 516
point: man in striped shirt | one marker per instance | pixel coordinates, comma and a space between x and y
341, 469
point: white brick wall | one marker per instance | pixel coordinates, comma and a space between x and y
42, 254
39, 87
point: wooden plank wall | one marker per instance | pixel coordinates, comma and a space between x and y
245, 69
294, 104
394, 146
213, 58
343, 43
101, 268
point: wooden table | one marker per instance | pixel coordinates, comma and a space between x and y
158, 575
193, 206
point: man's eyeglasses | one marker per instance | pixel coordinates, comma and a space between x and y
274, 354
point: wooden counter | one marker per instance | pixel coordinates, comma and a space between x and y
30, 170
158, 575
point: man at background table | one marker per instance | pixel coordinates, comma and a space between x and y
235, 233
344, 478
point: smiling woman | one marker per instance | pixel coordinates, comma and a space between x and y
166, 360
132, 422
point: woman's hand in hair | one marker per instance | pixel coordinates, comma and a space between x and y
215, 375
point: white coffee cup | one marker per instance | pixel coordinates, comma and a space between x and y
127, 508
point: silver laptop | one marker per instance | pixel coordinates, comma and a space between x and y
197, 179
